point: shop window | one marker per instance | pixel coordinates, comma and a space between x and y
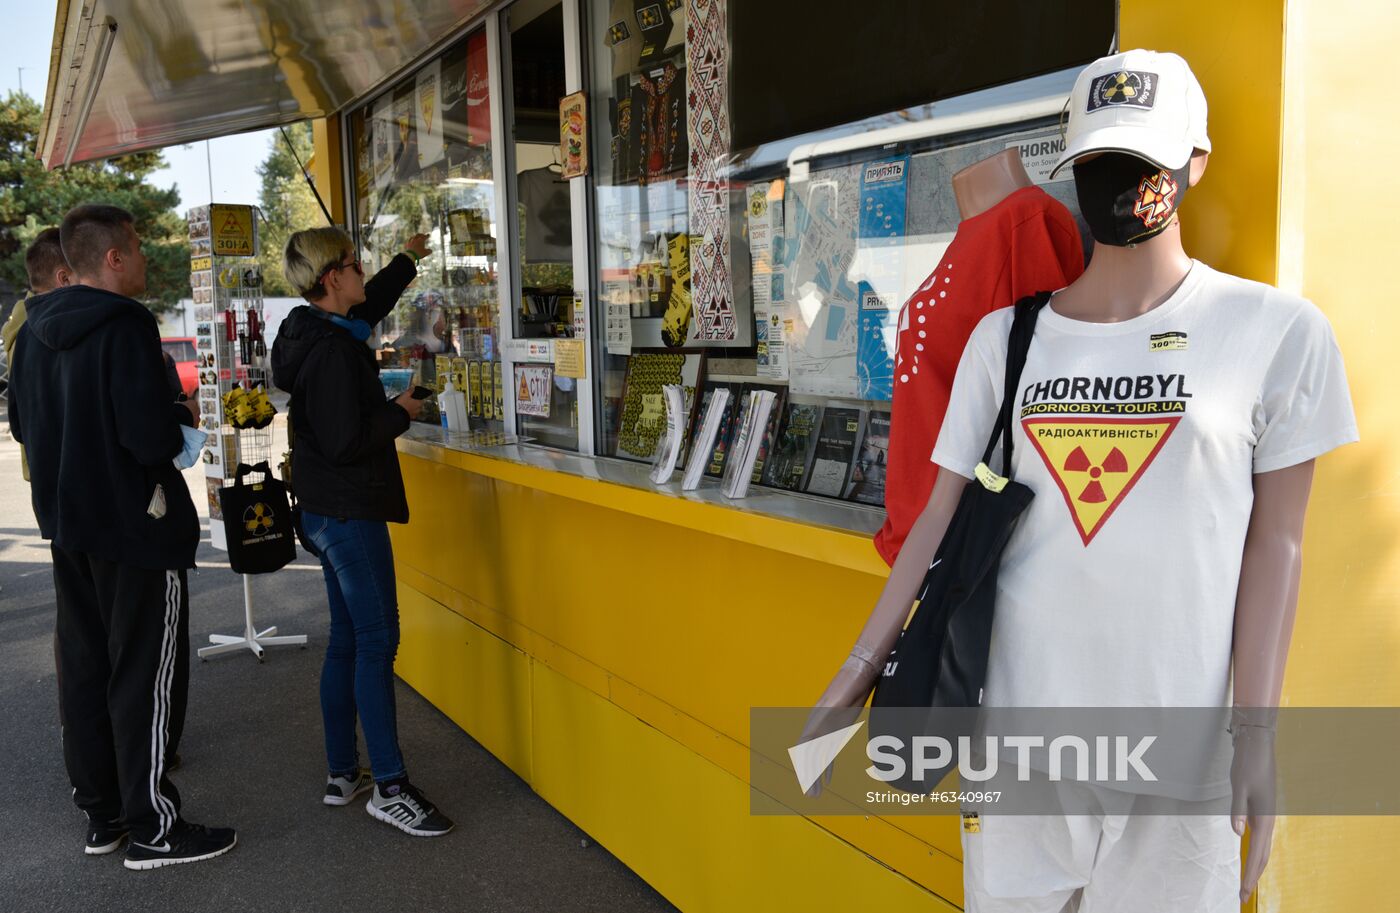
832, 224
422, 163
541, 217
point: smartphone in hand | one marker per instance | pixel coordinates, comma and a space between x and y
421, 392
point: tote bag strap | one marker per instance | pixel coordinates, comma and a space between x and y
1018, 344
245, 469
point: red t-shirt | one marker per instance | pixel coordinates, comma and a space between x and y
1025, 244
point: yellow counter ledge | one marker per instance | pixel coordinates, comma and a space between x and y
805, 526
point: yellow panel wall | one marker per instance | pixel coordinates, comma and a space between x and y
1229, 219
1337, 238
642, 672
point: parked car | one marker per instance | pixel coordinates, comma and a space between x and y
181, 348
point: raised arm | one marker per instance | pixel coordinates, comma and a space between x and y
383, 290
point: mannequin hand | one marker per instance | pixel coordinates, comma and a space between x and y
1252, 774
838, 707
418, 244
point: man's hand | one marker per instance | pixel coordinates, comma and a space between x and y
418, 245
193, 406
406, 401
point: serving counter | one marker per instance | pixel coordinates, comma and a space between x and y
606, 638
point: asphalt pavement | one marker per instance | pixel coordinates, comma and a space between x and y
253, 759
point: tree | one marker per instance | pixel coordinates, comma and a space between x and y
287, 202
33, 198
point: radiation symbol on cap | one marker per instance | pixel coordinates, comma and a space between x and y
1120, 88
257, 519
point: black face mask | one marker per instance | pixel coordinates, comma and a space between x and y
1127, 200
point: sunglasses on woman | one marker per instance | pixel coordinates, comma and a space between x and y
335, 267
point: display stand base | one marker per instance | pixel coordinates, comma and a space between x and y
251, 639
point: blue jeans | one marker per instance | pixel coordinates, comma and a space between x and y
358, 563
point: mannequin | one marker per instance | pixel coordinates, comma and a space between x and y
1121, 283
984, 184
1014, 240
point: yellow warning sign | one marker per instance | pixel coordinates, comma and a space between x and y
232, 230
1095, 462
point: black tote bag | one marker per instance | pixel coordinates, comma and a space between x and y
257, 522
940, 659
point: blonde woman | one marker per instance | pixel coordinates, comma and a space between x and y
345, 472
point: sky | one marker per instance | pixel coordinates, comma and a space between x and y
29, 27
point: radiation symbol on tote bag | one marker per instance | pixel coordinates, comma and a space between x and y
257, 522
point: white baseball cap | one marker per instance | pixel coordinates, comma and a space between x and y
1145, 103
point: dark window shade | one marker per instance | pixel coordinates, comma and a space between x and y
802, 65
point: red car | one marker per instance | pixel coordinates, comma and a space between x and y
181, 348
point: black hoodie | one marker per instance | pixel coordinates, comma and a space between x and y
343, 459
90, 402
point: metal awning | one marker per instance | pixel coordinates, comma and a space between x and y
128, 75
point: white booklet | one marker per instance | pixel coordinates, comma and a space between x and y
669, 451
748, 440
704, 444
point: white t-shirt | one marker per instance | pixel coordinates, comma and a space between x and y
1140, 440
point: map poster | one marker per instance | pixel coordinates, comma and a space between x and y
821, 221
880, 265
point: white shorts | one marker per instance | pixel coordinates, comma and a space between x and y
1102, 863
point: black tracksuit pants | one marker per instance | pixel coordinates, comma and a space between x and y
123, 655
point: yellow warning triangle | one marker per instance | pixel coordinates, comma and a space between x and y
524, 393
1096, 462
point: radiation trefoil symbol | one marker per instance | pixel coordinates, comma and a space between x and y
1121, 87
1078, 461
1156, 196
258, 519
1097, 462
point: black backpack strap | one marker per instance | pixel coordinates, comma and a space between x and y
1018, 345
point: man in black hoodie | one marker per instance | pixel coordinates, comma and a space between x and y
90, 402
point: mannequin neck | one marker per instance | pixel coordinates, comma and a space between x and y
984, 184
1121, 283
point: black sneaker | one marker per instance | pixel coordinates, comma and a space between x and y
185, 843
401, 804
343, 790
104, 837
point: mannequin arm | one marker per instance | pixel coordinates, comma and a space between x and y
854, 681
1265, 606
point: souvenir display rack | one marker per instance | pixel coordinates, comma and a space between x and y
231, 355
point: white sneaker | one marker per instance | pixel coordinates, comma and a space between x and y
343, 790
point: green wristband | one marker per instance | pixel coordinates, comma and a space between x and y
412, 254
